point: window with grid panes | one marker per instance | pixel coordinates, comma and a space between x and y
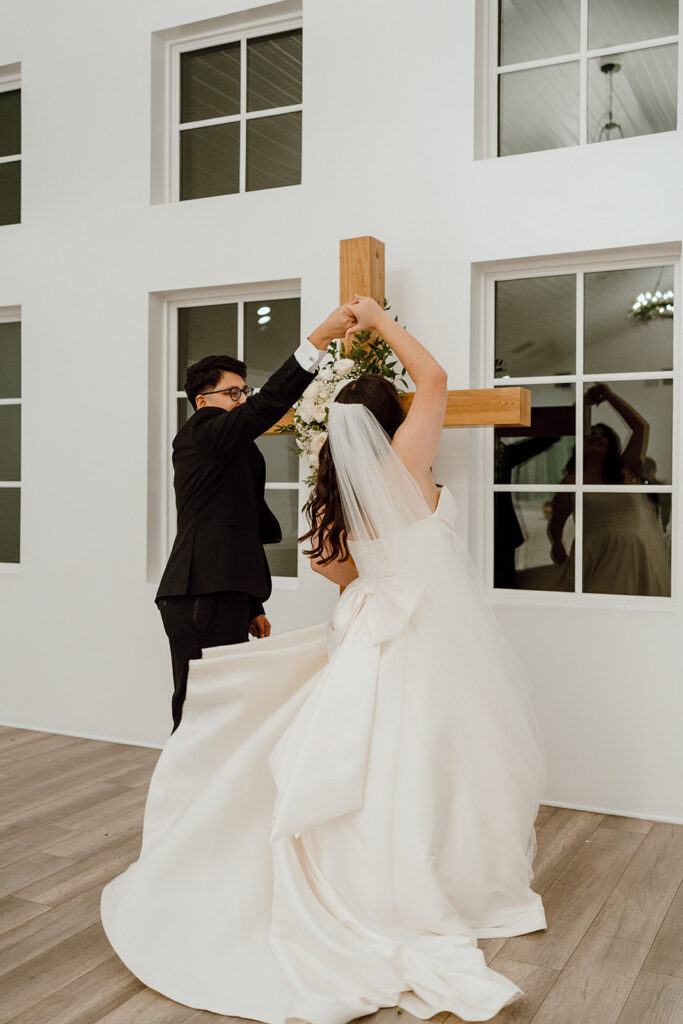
10, 149
582, 497
239, 115
573, 72
10, 438
263, 333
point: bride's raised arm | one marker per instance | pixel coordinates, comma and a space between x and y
417, 439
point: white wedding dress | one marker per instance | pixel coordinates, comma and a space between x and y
346, 808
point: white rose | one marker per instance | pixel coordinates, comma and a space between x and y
319, 413
312, 390
344, 365
326, 373
306, 411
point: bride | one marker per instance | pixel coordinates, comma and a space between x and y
346, 808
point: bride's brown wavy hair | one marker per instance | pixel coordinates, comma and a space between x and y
327, 529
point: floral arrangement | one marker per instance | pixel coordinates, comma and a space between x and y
312, 409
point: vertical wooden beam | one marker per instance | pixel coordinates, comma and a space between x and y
361, 268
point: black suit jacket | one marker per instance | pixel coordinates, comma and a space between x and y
219, 479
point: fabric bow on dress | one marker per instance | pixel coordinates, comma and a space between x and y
319, 764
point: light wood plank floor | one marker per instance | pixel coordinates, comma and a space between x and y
70, 820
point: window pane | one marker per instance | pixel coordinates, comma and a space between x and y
538, 109
611, 23
10, 192
185, 410
625, 550
205, 331
10, 122
618, 437
614, 341
536, 327
282, 460
539, 454
643, 85
10, 442
274, 71
10, 502
210, 82
533, 29
10, 360
267, 345
282, 556
210, 161
522, 547
274, 151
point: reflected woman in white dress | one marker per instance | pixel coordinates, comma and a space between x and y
345, 809
624, 550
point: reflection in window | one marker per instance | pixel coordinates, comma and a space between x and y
535, 332
536, 29
625, 550
271, 334
525, 557
538, 454
543, 72
205, 331
625, 435
616, 338
10, 152
632, 93
232, 86
282, 557
10, 440
538, 108
613, 24
625, 422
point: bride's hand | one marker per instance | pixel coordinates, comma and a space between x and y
367, 313
340, 322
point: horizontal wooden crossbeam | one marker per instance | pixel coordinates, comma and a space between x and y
482, 407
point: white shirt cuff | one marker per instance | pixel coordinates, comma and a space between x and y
308, 356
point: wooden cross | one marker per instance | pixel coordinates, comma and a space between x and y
361, 271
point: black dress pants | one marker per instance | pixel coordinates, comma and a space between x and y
193, 621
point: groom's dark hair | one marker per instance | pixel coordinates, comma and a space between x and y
205, 375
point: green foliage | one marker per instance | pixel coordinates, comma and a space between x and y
376, 357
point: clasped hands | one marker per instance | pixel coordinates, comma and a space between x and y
361, 314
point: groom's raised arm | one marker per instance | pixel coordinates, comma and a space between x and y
217, 433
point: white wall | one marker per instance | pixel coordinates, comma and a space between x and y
388, 140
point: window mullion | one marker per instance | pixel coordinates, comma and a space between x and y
243, 121
580, 418
175, 121
583, 75
208, 122
170, 418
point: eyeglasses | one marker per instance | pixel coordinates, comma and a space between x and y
234, 392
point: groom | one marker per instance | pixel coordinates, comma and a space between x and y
217, 575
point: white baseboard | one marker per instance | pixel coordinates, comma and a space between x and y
666, 818
81, 735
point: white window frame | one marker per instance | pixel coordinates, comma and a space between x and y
167, 48
483, 488
12, 314
486, 90
10, 79
165, 530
